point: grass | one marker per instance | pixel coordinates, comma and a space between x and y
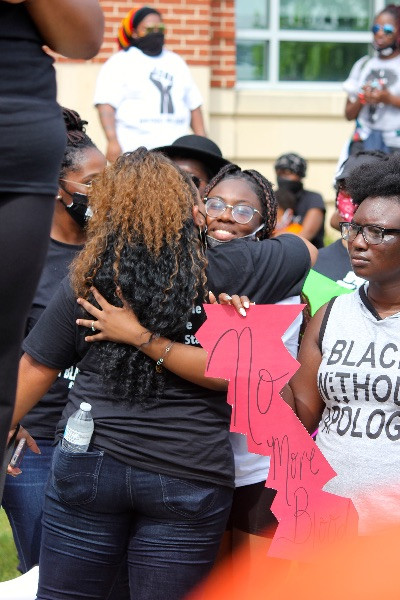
8, 552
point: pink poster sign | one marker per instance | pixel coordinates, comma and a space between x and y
249, 352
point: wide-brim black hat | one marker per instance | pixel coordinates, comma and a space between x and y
198, 147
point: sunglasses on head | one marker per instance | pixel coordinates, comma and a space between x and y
387, 28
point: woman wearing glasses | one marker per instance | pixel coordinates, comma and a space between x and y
239, 215
349, 379
373, 88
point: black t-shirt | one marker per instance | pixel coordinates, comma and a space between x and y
333, 261
267, 271
32, 130
41, 421
185, 434
305, 201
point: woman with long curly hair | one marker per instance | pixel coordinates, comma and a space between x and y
240, 215
156, 482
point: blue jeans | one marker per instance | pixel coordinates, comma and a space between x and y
97, 510
23, 502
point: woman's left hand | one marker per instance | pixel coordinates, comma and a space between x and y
241, 303
112, 323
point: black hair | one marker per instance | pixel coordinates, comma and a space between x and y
142, 239
375, 179
77, 141
260, 185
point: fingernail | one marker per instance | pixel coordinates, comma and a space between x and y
252, 303
210, 292
242, 312
246, 304
228, 297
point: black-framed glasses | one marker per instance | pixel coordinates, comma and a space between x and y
387, 29
372, 234
242, 213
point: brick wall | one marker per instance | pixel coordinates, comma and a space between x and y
201, 31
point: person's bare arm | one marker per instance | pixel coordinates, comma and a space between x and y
352, 109
73, 28
34, 380
197, 122
312, 222
335, 220
308, 402
120, 324
313, 251
107, 120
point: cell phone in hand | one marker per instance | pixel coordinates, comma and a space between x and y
19, 452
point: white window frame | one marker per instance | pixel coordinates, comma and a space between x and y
274, 36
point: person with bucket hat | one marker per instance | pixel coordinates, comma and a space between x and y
144, 93
197, 155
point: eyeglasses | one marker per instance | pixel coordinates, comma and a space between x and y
86, 186
242, 213
372, 234
387, 29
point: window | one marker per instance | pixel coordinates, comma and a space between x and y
281, 42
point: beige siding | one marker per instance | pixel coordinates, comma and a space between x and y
252, 126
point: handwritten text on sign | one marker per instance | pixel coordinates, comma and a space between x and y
249, 352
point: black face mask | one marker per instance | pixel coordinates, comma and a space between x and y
150, 44
79, 209
293, 186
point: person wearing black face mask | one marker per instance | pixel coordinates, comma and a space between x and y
145, 94
373, 89
309, 212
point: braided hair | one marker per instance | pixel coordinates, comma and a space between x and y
77, 141
261, 187
141, 239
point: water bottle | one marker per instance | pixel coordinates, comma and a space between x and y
79, 429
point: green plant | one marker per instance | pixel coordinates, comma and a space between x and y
8, 552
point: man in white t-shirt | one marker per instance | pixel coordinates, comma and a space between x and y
145, 94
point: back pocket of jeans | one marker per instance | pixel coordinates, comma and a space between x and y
75, 475
188, 498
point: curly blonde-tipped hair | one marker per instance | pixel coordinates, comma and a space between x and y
142, 239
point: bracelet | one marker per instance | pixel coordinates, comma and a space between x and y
160, 361
153, 336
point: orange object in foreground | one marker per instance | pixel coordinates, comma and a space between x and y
365, 568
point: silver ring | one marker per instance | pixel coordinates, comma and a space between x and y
93, 328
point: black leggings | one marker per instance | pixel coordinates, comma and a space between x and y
25, 221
